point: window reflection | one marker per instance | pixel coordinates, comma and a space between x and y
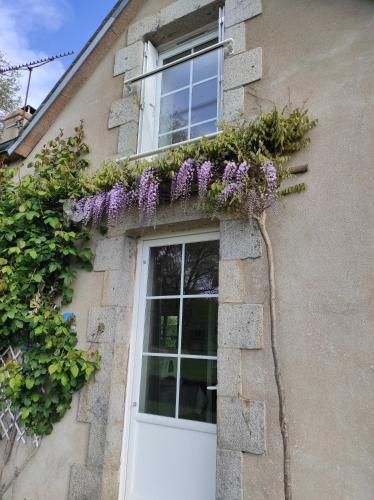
201, 268
164, 273
161, 325
199, 330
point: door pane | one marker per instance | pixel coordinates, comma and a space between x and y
199, 330
204, 101
161, 326
164, 275
174, 111
196, 402
158, 386
201, 268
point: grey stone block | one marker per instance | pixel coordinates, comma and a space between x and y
241, 425
228, 372
118, 289
229, 475
240, 326
242, 69
237, 11
117, 404
96, 445
238, 34
128, 58
94, 403
84, 483
127, 139
115, 253
120, 361
102, 324
240, 239
233, 281
233, 104
104, 374
124, 110
164, 17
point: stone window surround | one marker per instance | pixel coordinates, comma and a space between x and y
241, 67
240, 420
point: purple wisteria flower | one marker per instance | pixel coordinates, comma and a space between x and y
87, 209
228, 192
148, 193
118, 201
270, 174
204, 176
181, 184
99, 206
229, 172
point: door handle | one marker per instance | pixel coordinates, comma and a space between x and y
211, 387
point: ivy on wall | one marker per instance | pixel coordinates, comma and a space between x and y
39, 251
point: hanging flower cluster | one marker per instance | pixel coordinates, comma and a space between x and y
252, 186
110, 205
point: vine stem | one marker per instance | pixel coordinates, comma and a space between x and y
283, 423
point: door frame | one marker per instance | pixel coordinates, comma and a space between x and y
203, 234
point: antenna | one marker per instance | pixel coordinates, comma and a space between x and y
32, 65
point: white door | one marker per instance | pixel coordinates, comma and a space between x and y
172, 432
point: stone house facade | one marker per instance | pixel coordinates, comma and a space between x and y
270, 51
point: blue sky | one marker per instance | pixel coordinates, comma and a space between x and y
32, 29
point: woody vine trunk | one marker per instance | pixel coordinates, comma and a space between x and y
283, 423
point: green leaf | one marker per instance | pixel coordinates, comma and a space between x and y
30, 382
53, 368
33, 254
74, 371
37, 278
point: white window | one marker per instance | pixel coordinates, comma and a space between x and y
182, 102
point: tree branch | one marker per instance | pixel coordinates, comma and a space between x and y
283, 423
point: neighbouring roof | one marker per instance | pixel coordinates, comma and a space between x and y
35, 129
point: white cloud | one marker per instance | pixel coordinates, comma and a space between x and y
19, 20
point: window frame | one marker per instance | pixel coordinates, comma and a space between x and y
170, 49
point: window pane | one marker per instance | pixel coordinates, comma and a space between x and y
176, 77
164, 273
158, 386
161, 325
201, 268
196, 402
204, 129
205, 66
204, 101
174, 111
173, 138
199, 331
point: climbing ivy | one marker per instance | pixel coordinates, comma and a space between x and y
40, 250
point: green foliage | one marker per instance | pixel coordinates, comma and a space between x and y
9, 88
271, 137
40, 250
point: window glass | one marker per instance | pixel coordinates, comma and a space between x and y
158, 386
196, 401
204, 129
188, 95
205, 66
201, 268
204, 101
199, 330
164, 274
176, 77
161, 325
174, 111
180, 332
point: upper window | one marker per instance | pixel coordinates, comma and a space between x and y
183, 101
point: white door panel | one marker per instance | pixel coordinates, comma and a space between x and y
172, 432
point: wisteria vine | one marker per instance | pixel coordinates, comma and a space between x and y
253, 186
